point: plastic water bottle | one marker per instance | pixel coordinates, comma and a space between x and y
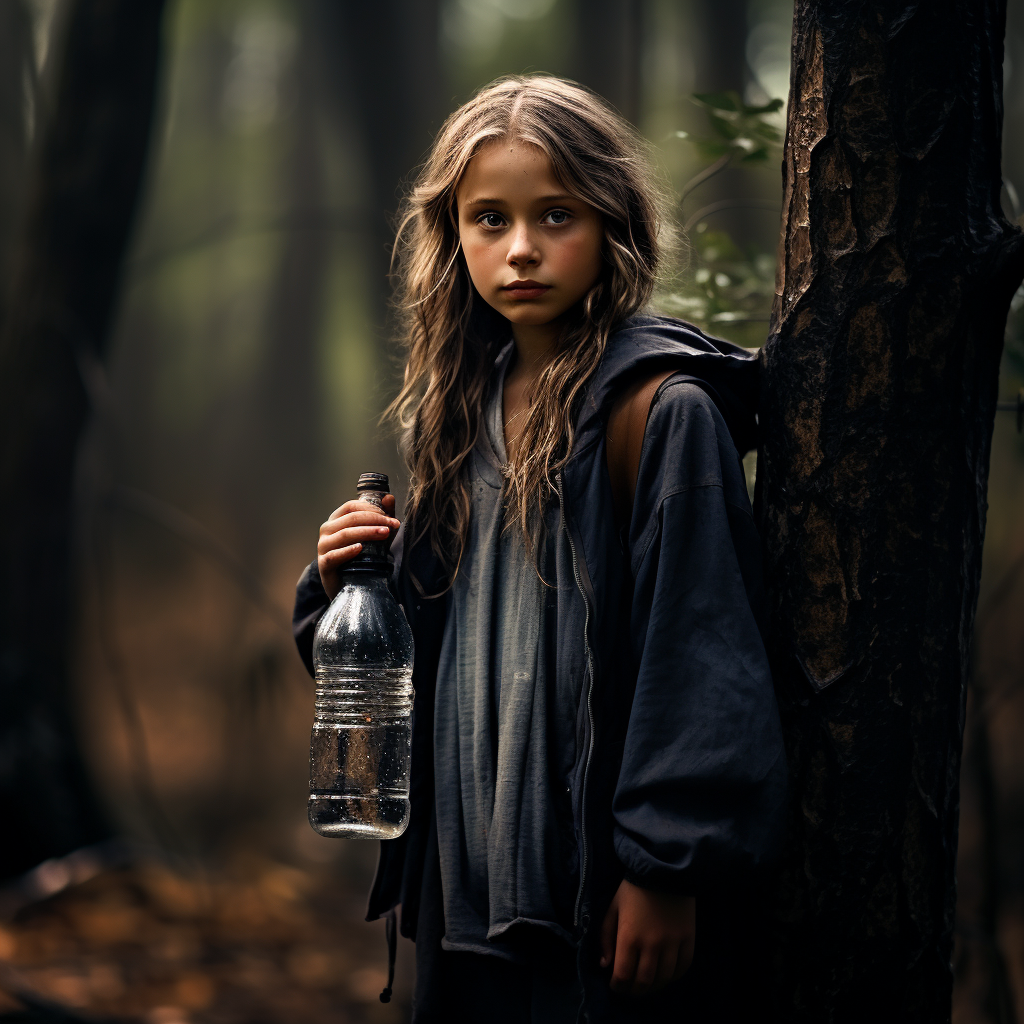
363, 653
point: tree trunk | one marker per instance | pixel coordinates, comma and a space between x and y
283, 423
880, 377
609, 51
387, 65
80, 206
721, 55
17, 99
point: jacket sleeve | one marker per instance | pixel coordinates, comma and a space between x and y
702, 787
310, 603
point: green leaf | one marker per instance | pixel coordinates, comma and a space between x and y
729, 100
767, 108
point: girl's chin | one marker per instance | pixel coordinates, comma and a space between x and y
530, 315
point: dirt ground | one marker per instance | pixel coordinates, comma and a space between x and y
257, 943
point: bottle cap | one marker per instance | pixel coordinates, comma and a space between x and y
373, 482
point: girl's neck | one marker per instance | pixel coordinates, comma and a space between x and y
535, 344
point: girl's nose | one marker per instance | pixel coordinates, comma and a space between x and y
522, 250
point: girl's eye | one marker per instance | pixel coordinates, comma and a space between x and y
491, 220
557, 216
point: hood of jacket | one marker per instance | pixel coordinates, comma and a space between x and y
645, 344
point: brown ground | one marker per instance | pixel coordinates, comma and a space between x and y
261, 943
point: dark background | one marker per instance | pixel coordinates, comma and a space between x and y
251, 358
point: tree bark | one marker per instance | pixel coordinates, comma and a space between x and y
80, 206
880, 376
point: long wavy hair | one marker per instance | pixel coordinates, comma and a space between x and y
453, 335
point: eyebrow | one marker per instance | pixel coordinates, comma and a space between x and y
485, 201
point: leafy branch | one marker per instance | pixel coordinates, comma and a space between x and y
729, 285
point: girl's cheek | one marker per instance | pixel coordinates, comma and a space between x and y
585, 259
583, 246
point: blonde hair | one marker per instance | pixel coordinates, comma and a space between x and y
453, 336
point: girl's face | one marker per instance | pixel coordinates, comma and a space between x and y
532, 250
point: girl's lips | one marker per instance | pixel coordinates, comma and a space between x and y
526, 289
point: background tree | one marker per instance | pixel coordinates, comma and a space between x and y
17, 67
79, 210
243, 376
390, 67
895, 275
609, 41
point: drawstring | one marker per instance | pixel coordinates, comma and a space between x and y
391, 934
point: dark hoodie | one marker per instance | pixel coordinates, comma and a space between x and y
679, 778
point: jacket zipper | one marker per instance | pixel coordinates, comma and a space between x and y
589, 699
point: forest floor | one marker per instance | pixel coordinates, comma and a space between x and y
259, 943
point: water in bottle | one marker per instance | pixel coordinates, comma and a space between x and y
362, 653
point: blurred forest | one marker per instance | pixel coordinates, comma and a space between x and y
250, 359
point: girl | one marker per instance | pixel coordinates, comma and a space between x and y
597, 757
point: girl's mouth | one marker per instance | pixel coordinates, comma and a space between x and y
526, 289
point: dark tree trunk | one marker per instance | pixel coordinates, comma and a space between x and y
387, 67
80, 205
721, 55
609, 51
283, 423
720, 58
880, 376
386, 77
17, 100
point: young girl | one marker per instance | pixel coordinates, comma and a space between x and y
597, 757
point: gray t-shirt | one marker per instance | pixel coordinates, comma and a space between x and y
504, 724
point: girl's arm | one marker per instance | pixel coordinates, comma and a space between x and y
701, 791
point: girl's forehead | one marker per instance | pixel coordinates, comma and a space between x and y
513, 166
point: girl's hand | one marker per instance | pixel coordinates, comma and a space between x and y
342, 536
647, 938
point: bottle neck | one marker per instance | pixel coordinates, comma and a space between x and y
375, 556
369, 566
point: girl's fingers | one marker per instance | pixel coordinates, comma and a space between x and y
358, 517
646, 970
351, 535
364, 506
339, 556
666, 966
683, 960
333, 526
608, 930
352, 506
626, 959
